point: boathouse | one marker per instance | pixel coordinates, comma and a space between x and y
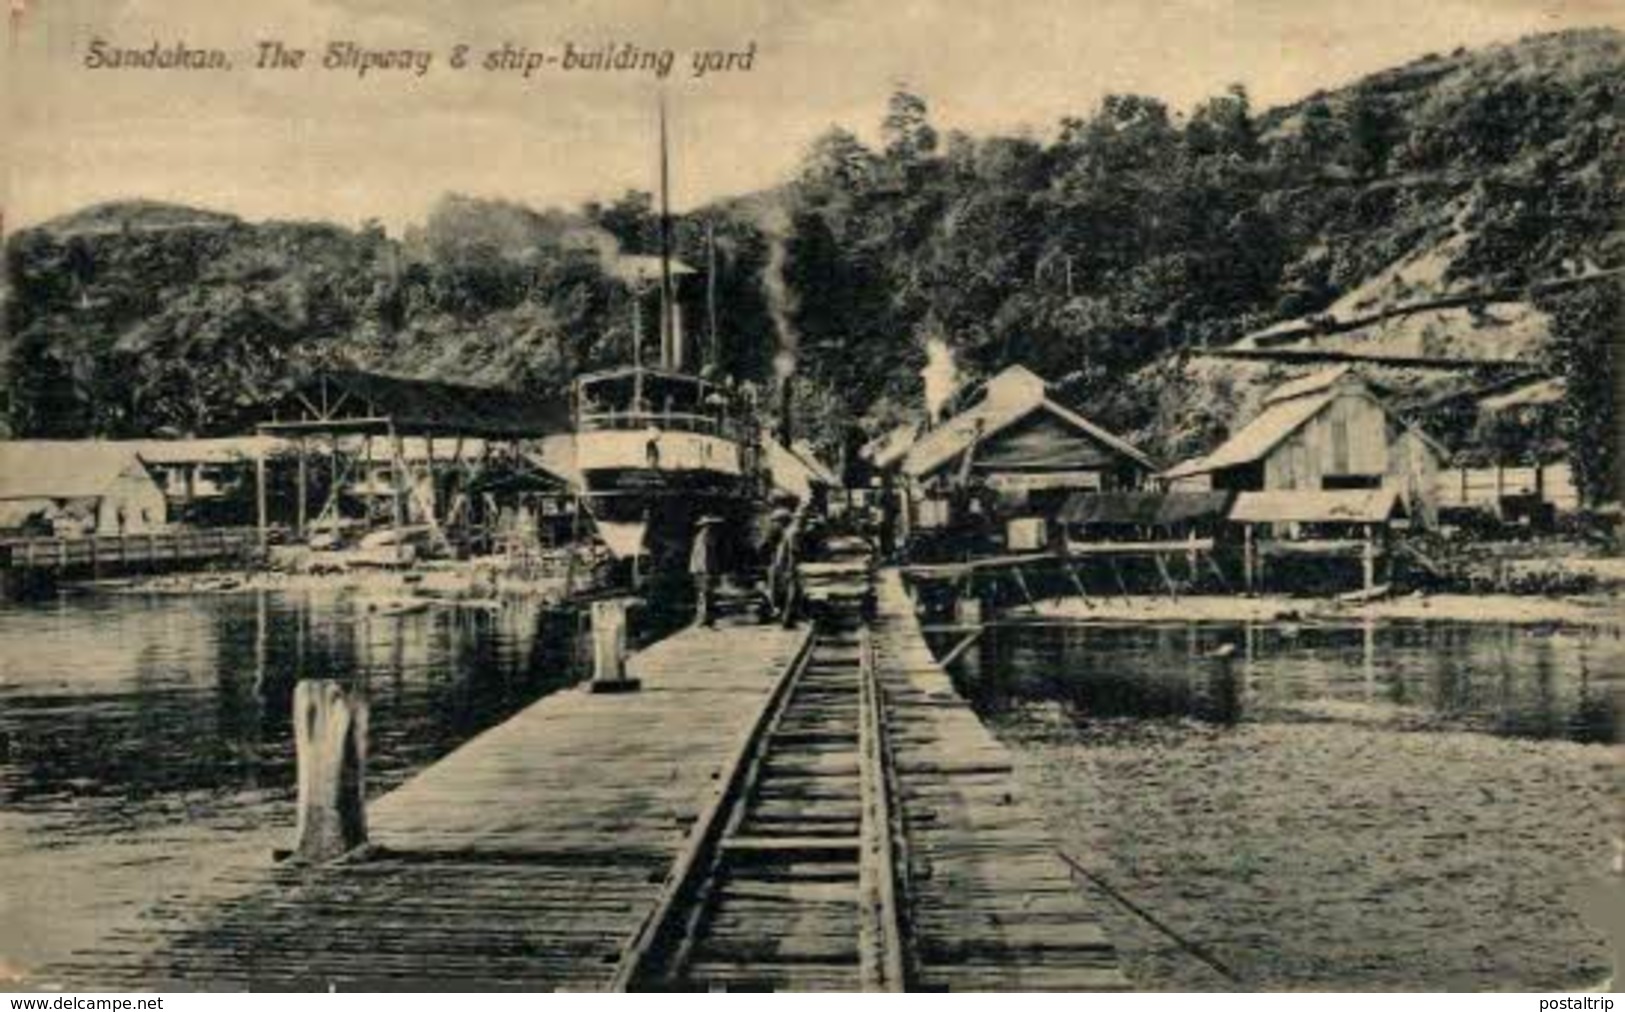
76, 489
1329, 431
1010, 458
360, 423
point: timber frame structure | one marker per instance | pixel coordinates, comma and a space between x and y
363, 406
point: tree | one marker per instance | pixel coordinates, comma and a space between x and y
1371, 131
631, 220
907, 131
1224, 126
838, 161
1587, 323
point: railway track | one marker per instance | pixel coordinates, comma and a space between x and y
792, 880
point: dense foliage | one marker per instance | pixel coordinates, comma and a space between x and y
1130, 235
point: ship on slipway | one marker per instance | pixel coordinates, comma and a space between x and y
654, 447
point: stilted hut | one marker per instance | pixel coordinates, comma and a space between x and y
1353, 524
1327, 432
1142, 536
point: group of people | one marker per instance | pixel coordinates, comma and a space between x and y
775, 550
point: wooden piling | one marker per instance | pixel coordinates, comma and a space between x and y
1248, 576
1368, 560
330, 741
302, 516
968, 610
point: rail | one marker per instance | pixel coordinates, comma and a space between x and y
673, 421
682, 885
793, 876
885, 846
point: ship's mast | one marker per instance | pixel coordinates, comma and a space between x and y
670, 355
713, 351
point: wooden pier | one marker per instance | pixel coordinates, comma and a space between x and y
811, 808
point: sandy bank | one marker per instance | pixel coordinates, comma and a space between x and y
457, 584
1590, 609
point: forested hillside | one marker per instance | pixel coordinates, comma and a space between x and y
1099, 252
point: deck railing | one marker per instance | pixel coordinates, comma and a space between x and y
671, 421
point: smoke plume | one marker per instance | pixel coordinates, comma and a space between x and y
781, 301
941, 377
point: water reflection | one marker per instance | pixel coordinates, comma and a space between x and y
1533, 682
116, 710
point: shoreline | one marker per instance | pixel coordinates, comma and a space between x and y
461, 585
1599, 609
478, 586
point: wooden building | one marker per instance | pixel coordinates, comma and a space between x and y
1317, 526
1511, 465
207, 482
1329, 431
795, 471
1010, 458
77, 489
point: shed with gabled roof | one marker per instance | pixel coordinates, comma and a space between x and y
77, 488
1014, 449
1327, 431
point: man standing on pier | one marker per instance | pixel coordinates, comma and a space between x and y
703, 566
784, 575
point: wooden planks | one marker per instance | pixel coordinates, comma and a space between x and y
790, 888
532, 857
991, 905
524, 860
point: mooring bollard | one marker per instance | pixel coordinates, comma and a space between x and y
330, 741
609, 647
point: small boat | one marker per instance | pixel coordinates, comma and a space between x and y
391, 609
1364, 595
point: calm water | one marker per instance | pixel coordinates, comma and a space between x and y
1531, 682
1375, 806
145, 741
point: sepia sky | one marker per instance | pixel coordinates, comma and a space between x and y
327, 144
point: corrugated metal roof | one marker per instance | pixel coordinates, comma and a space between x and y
434, 407
890, 446
56, 469
789, 473
1258, 437
1370, 506
804, 450
642, 268
1311, 384
228, 450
